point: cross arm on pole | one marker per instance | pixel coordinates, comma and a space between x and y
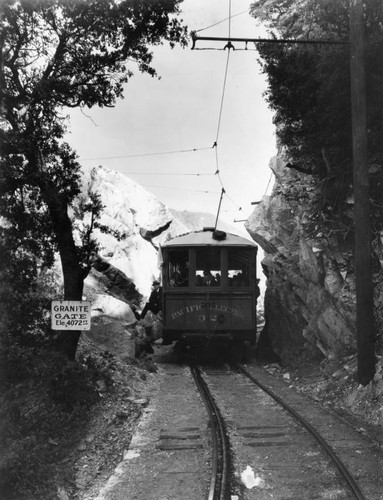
195, 38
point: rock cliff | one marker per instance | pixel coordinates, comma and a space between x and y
127, 260
129, 207
310, 295
130, 212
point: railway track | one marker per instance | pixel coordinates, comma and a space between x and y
347, 477
219, 483
256, 422
232, 396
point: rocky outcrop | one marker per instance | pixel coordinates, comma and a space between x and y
114, 280
129, 210
137, 223
126, 262
310, 295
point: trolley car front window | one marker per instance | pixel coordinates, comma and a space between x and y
239, 267
178, 267
208, 266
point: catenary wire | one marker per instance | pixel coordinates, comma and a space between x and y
167, 173
180, 151
215, 145
222, 21
176, 188
268, 184
147, 154
222, 97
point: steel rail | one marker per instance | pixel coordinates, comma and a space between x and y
325, 446
219, 481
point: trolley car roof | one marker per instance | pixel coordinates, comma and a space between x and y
205, 238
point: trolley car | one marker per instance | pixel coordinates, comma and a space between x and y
209, 288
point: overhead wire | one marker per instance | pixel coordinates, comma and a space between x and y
222, 21
176, 188
222, 97
268, 184
167, 173
229, 46
147, 154
215, 145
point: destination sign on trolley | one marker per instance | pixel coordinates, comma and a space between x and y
71, 314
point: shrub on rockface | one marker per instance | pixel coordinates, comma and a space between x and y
45, 398
310, 92
59, 54
44, 413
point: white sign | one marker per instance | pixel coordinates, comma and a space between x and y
71, 314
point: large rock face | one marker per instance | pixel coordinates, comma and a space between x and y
127, 260
310, 296
127, 208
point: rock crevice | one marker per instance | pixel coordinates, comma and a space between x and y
310, 294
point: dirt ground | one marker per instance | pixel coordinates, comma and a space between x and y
115, 417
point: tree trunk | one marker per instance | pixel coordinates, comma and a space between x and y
72, 272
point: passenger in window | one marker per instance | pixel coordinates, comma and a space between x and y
218, 278
174, 279
179, 277
208, 279
198, 280
246, 281
238, 280
184, 276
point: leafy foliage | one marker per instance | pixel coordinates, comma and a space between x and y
64, 54
45, 413
58, 54
54, 54
309, 90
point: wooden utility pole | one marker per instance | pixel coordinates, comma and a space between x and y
363, 268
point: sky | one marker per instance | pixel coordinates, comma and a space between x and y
163, 132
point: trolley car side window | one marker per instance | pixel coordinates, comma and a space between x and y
239, 265
178, 267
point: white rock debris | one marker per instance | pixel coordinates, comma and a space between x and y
250, 480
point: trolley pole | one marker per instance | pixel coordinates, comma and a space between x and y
219, 208
363, 268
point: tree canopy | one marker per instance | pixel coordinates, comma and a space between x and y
57, 54
309, 87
